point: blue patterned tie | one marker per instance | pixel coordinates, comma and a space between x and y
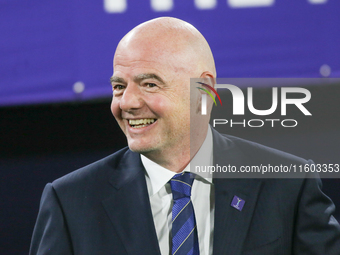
184, 230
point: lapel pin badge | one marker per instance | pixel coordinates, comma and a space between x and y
237, 203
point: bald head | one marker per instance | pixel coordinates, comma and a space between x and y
179, 42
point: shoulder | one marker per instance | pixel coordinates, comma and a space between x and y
259, 153
92, 175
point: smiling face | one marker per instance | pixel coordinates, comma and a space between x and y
151, 92
150, 101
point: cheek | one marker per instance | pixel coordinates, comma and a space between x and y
115, 109
158, 105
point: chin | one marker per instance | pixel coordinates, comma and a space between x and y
140, 149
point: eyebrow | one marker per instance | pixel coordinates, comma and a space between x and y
145, 76
138, 78
117, 79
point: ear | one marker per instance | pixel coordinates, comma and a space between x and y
208, 78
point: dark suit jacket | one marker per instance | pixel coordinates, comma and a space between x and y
104, 208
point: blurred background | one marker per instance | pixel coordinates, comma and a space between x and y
56, 61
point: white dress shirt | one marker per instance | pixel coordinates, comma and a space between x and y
202, 196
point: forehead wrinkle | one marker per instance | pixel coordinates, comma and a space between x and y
143, 62
130, 60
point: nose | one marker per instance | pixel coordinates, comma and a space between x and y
131, 99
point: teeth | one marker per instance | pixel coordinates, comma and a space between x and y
140, 126
141, 122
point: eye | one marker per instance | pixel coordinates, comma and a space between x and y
118, 87
150, 85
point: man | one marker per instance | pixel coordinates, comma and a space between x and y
126, 203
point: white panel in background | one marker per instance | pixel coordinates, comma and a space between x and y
115, 6
317, 1
162, 5
204, 104
249, 3
205, 4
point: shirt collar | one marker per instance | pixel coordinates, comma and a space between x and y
159, 175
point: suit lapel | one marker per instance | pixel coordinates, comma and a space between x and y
231, 225
129, 207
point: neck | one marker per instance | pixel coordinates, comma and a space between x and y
172, 160
176, 159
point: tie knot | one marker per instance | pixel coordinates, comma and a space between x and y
181, 185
